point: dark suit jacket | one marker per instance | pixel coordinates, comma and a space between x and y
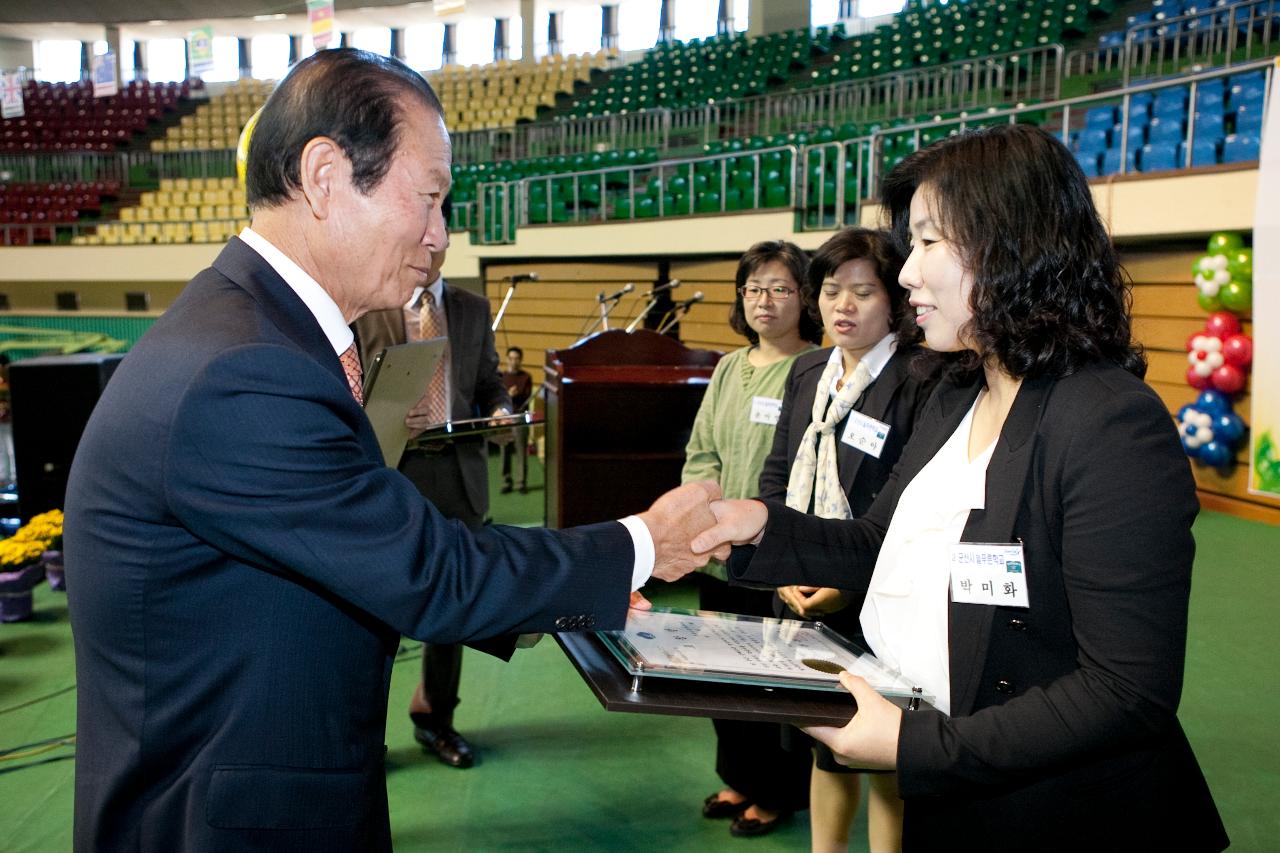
244, 566
1063, 732
475, 384
894, 398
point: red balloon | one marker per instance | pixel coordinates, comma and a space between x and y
1228, 379
1195, 380
1222, 324
1238, 350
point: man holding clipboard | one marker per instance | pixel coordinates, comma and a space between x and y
452, 473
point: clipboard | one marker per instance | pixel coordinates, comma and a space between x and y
393, 385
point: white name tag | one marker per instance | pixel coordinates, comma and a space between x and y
765, 410
866, 434
988, 574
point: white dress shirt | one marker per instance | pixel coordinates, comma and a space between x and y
335, 328
875, 360
905, 615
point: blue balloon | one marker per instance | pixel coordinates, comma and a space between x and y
1228, 428
1213, 403
1215, 454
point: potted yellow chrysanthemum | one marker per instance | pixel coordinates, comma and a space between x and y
21, 569
47, 529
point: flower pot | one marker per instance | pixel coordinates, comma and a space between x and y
15, 591
53, 570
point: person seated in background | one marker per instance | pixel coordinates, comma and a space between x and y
1053, 657
847, 412
731, 436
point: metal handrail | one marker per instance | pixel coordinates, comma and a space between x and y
1155, 40
512, 197
1030, 73
1069, 104
1194, 38
75, 167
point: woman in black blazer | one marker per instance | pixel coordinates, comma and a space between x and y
852, 286
1059, 728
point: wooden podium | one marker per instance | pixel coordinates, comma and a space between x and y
620, 407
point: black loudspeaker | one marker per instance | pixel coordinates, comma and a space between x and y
51, 399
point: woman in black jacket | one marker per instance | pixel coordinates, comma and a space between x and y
1029, 561
866, 405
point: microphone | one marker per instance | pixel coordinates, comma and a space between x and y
671, 285
519, 277
616, 296
690, 302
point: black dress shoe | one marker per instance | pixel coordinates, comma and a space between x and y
714, 807
449, 746
506, 489
749, 827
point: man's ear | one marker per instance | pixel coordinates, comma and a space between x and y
322, 170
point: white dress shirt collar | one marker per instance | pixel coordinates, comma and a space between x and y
437, 291
317, 300
875, 359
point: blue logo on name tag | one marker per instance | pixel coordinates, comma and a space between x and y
645, 634
1013, 567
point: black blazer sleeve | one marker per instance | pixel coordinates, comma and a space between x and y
777, 465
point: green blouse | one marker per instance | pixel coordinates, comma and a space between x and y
727, 445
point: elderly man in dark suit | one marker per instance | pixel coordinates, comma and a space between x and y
454, 475
244, 561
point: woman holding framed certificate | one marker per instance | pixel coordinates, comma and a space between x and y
1029, 561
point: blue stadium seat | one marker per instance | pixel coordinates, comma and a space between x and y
1137, 133
1159, 158
1210, 97
1210, 124
1249, 119
1165, 131
1088, 163
1238, 148
1092, 140
1204, 151
1111, 161
1100, 117
1141, 103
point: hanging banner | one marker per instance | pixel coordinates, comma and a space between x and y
102, 70
200, 50
11, 96
1264, 421
320, 16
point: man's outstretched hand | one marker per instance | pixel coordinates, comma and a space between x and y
674, 520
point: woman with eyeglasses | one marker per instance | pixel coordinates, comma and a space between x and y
1028, 564
847, 412
732, 435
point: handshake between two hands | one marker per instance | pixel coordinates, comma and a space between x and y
694, 523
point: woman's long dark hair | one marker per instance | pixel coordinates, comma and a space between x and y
882, 252
1048, 294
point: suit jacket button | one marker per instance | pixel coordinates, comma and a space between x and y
1017, 625
1004, 687
562, 622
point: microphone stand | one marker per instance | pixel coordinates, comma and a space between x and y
502, 309
674, 317
631, 327
607, 304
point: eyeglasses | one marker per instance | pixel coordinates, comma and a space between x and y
752, 293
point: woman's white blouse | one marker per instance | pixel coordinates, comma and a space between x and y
905, 614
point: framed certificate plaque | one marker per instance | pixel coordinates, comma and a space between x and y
708, 664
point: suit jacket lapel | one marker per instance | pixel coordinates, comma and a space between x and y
875, 405
1007, 476
278, 301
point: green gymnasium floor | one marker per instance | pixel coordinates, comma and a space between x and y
557, 773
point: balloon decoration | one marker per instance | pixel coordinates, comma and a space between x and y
1219, 356
1210, 431
1224, 276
